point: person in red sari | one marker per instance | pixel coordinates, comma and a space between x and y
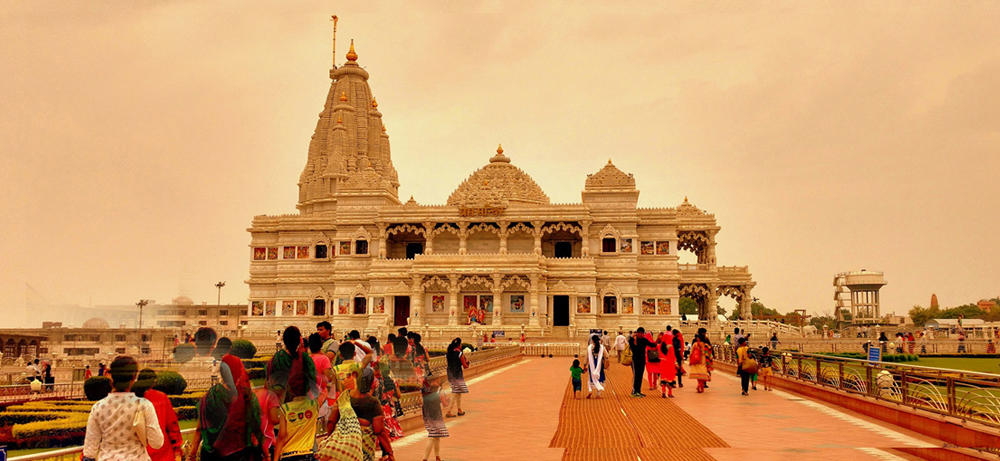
701, 361
666, 368
172, 440
229, 425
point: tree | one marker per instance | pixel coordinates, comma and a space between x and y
757, 309
825, 318
721, 310
920, 315
689, 306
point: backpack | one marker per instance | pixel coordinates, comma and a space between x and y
627, 356
652, 355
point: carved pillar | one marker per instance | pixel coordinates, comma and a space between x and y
429, 237
745, 311
416, 302
497, 289
710, 250
711, 301
381, 240
503, 237
585, 238
538, 236
463, 235
533, 300
453, 299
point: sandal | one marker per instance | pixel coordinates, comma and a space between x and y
461, 413
449, 415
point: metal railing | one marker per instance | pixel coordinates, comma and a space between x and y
560, 349
920, 347
967, 395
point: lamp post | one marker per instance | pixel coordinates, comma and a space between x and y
218, 303
141, 304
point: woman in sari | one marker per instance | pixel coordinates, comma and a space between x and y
700, 362
666, 368
595, 364
291, 372
228, 415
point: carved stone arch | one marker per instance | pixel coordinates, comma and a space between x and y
359, 291
435, 280
320, 238
484, 227
320, 293
701, 294
568, 227
511, 280
735, 292
610, 290
609, 231
399, 228
561, 288
475, 279
446, 227
401, 289
520, 227
362, 234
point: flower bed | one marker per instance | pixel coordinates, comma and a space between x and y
46, 424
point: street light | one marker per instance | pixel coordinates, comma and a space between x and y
141, 304
218, 303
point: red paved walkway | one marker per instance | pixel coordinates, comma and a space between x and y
518, 412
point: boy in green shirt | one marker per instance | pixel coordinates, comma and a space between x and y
576, 372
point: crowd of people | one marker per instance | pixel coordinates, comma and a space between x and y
321, 399
662, 361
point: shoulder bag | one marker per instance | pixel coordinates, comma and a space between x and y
139, 423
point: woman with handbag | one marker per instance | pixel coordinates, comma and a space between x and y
700, 361
121, 425
456, 377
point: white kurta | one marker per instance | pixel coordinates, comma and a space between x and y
595, 369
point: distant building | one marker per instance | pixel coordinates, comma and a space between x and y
934, 301
987, 304
858, 293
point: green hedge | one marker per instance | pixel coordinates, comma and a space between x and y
189, 399
66, 424
900, 358
170, 383
186, 412
243, 349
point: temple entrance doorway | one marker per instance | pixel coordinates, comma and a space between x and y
401, 310
560, 311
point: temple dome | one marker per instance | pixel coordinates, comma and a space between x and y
498, 184
610, 178
96, 323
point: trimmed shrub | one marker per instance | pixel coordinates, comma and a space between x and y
256, 373
186, 412
97, 388
255, 363
66, 424
189, 399
170, 383
183, 353
243, 349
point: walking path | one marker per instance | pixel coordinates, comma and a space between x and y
527, 411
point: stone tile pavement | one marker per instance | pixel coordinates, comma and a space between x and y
526, 411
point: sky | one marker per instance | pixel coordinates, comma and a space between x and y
140, 139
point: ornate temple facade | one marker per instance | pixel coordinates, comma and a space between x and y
497, 254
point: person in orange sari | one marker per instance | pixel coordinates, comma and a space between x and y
700, 361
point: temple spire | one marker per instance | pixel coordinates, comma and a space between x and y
351, 55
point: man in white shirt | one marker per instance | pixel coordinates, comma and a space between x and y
359, 354
620, 343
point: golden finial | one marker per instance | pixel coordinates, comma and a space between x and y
343, 96
339, 120
374, 103
685, 199
499, 149
383, 128
609, 161
351, 55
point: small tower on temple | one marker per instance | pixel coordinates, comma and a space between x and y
934, 301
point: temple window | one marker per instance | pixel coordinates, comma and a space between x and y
361, 247
320, 251
319, 307
609, 245
564, 249
610, 305
360, 305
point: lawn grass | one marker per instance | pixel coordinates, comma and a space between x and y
971, 364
